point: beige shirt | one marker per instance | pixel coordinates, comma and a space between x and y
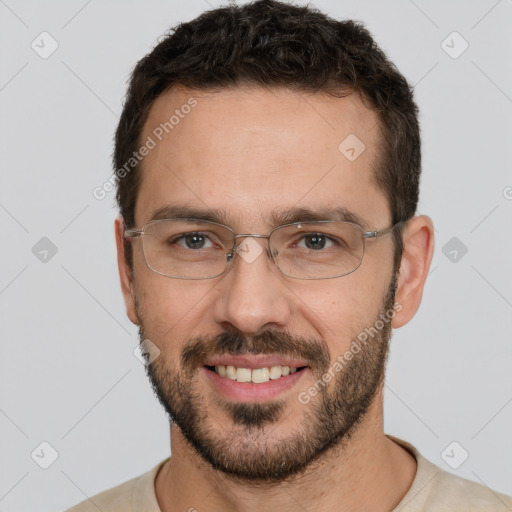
433, 490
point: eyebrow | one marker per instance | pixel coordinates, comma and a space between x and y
275, 218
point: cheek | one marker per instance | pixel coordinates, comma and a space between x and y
338, 311
172, 309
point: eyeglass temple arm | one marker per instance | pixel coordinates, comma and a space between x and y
132, 233
375, 234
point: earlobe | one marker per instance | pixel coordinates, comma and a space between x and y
418, 236
125, 273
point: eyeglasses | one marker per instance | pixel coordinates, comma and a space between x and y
199, 249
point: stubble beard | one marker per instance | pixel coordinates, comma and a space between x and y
248, 445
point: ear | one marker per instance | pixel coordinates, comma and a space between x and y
125, 274
418, 236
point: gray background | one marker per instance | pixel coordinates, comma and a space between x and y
68, 375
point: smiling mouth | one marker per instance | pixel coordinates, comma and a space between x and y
254, 375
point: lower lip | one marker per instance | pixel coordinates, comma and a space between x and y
250, 391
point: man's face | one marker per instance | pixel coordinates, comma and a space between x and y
250, 154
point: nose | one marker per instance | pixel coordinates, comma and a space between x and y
253, 295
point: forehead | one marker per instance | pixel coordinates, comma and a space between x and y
249, 152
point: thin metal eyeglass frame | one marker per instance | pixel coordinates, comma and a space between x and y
136, 233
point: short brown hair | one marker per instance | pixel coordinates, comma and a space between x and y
269, 43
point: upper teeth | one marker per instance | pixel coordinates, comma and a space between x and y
256, 375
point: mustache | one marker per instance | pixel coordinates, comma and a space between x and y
269, 342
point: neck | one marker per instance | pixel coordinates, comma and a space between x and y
367, 472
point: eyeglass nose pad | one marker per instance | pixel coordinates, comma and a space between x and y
270, 251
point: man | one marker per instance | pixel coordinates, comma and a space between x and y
267, 163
